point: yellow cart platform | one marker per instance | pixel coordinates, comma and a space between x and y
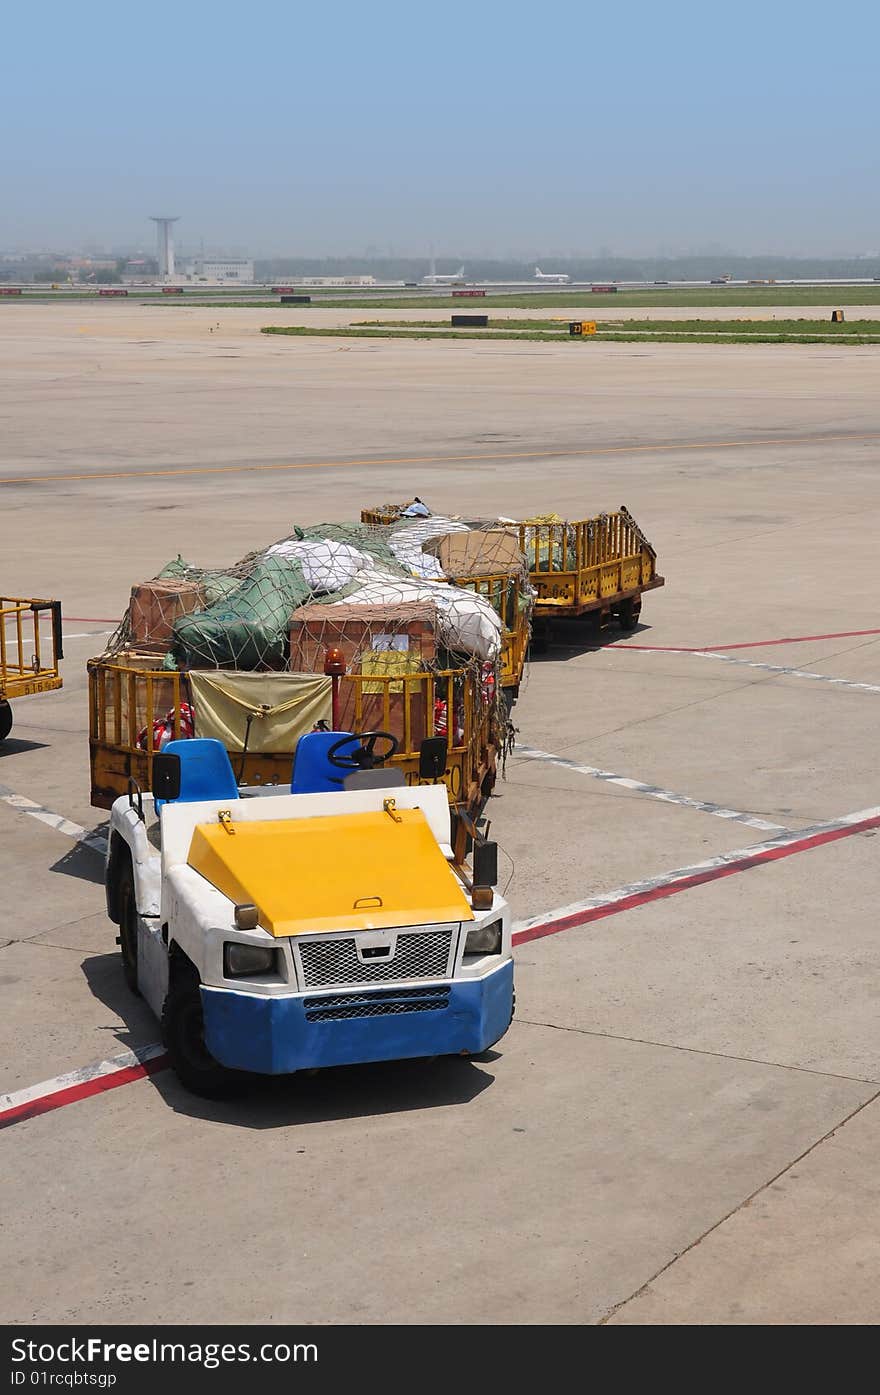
600, 565
30, 650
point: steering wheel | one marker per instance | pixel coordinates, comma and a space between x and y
363, 756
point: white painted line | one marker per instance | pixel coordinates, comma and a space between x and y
795, 840
792, 672
703, 806
123, 1061
80, 1084
96, 841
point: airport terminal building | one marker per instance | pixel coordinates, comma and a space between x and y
239, 270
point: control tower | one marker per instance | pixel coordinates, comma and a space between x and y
166, 246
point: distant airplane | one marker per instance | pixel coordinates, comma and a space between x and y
434, 278
557, 278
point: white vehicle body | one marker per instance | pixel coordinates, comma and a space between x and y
325, 996
555, 278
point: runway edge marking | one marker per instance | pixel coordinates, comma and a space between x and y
702, 806
94, 1079
627, 898
150, 1060
96, 841
790, 672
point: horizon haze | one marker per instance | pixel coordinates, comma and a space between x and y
487, 133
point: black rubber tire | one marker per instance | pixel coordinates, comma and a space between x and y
127, 906
628, 613
540, 641
183, 1032
5, 720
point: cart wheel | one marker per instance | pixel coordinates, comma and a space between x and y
183, 1031
540, 636
628, 614
5, 720
125, 901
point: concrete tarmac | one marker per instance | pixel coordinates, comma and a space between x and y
681, 1125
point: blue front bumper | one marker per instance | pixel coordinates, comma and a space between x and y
279, 1035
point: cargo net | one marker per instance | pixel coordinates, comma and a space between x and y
481, 555
427, 594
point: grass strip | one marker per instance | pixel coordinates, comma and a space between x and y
737, 327
543, 337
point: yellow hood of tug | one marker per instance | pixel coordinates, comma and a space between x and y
337, 872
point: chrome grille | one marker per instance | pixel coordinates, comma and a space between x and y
338, 1007
326, 962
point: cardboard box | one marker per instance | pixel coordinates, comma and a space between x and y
357, 628
486, 552
155, 605
405, 634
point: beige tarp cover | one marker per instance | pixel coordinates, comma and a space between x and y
284, 706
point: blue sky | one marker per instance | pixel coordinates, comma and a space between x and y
481, 128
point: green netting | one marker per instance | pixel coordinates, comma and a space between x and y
249, 628
218, 585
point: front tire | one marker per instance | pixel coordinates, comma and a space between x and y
128, 920
5, 719
183, 1031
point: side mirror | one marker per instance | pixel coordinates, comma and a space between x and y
166, 776
485, 864
433, 754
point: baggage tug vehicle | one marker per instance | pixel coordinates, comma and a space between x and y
277, 932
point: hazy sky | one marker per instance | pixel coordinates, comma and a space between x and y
483, 128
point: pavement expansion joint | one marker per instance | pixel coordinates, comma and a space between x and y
746, 1201
35, 943
699, 1051
673, 711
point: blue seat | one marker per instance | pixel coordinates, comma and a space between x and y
205, 770
312, 772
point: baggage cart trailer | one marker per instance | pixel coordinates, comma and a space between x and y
30, 649
598, 565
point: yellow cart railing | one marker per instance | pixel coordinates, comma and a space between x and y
504, 593
30, 650
595, 564
127, 693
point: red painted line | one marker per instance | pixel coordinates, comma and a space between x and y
126, 1075
711, 874
751, 644
44, 1104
